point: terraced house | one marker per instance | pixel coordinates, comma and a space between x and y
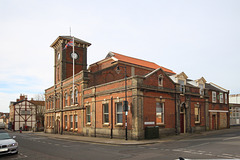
121, 95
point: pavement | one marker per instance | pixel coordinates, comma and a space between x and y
115, 141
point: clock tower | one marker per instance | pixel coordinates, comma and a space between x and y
63, 57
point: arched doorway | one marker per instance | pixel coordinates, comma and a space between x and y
183, 118
58, 125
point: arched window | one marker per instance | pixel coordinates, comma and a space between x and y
47, 104
76, 96
66, 99
160, 80
71, 98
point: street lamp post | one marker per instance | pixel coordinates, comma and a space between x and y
125, 103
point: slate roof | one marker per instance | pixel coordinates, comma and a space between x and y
211, 87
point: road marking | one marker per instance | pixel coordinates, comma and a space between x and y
199, 145
177, 150
231, 138
56, 144
224, 154
196, 153
65, 146
208, 154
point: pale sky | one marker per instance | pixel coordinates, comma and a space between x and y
199, 37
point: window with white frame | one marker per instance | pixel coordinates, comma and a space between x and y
71, 121
221, 97
160, 80
65, 121
75, 121
119, 116
201, 89
159, 113
88, 114
226, 98
182, 87
197, 113
105, 113
214, 97
66, 99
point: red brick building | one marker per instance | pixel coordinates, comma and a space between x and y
157, 97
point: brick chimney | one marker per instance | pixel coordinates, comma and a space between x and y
22, 97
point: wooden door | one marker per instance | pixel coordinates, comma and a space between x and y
182, 123
213, 122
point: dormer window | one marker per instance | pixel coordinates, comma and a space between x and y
201, 89
160, 80
182, 87
181, 80
201, 84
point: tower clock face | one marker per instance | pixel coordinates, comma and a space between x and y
74, 55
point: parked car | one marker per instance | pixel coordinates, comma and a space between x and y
2, 125
7, 144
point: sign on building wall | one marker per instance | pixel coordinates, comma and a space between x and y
149, 123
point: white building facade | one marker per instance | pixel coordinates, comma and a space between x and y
234, 104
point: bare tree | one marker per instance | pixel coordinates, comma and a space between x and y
39, 97
40, 108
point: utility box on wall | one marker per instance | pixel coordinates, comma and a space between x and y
152, 132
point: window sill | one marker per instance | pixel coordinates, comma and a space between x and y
88, 124
106, 124
160, 125
119, 125
197, 122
